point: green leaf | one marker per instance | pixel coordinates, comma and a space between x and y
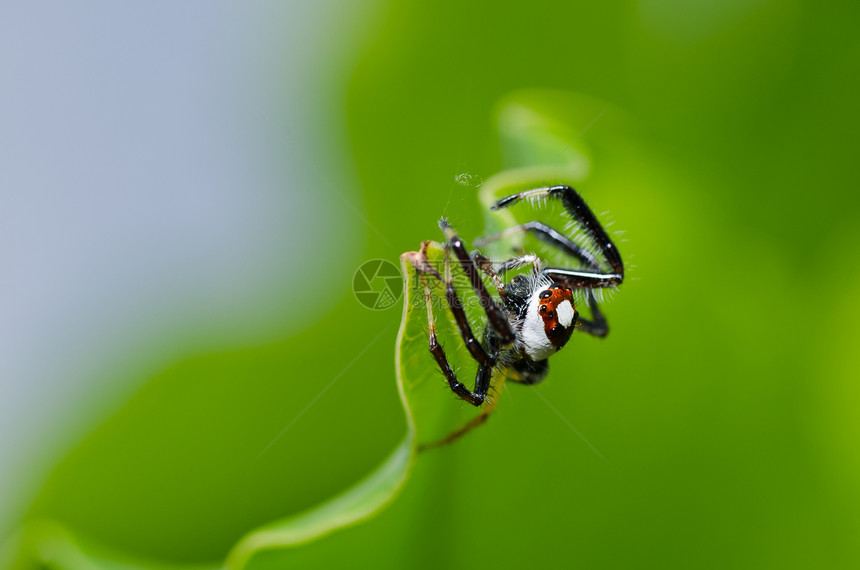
355, 505
48, 544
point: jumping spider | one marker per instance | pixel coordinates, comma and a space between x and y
535, 314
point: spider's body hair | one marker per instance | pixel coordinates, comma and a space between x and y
523, 297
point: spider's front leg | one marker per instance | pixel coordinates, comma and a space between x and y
495, 314
500, 330
594, 274
482, 378
486, 361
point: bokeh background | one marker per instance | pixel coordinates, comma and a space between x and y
187, 190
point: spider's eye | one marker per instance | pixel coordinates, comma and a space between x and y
550, 314
542, 308
545, 294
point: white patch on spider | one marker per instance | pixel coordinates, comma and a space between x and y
565, 313
534, 338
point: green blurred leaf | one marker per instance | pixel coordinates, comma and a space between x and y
355, 505
45, 542
48, 544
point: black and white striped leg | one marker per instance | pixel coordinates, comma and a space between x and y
548, 235
593, 275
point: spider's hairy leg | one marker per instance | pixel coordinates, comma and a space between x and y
549, 236
477, 421
597, 325
593, 276
475, 398
486, 265
495, 314
521, 261
585, 218
472, 345
497, 270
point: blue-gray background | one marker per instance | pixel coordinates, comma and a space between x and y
147, 207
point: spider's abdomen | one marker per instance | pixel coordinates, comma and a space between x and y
549, 321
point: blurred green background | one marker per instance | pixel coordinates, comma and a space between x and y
724, 400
